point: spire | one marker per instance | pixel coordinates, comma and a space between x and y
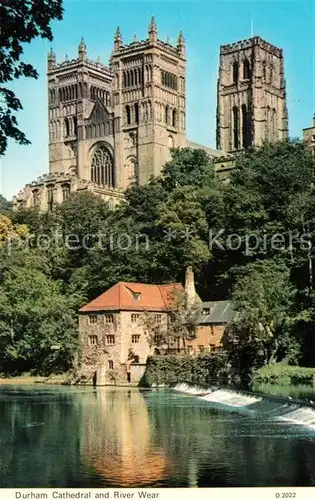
134, 38
152, 30
181, 44
313, 119
118, 41
82, 50
51, 58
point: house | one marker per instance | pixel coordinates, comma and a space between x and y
113, 330
131, 321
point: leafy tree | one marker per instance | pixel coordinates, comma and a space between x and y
263, 296
35, 315
21, 22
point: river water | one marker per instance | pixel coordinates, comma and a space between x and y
106, 437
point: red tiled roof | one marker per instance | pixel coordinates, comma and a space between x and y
122, 297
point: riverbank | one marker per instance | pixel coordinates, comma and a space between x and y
30, 379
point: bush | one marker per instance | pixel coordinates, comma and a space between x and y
169, 370
285, 375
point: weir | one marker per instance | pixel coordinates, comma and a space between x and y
273, 407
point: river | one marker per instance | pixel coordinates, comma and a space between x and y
58, 436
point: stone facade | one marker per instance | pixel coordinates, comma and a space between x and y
113, 126
251, 100
309, 136
115, 345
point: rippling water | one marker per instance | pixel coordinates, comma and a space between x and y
85, 437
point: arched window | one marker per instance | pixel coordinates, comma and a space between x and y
128, 114
174, 117
65, 192
264, 70
136, 112
166, 114
66, 127
75, 125
235, 72
35, 194
102, 168
246, 69
50, 197
246, 129
271, 73
235, 127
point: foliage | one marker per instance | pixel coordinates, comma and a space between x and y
21, 22
163, 227
207, 368
284, 374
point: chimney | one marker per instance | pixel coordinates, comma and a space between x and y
190, 291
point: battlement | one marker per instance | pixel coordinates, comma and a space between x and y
147, 44
249, 43
70, 64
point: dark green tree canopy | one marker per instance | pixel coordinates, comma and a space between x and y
21, 22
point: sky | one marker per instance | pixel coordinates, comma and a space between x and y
206, 24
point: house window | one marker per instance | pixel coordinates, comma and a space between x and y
108, 319
157, 318
212, 347
201, 348
135, 318
135, 339
92, 319
110, 364
93, 339
158, 339
110, 339
206, 311
137, 295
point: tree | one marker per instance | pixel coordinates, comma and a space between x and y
21, 22
263, 297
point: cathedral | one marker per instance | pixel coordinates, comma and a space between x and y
113, 126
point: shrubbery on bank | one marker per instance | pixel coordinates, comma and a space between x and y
205, 369
282, 374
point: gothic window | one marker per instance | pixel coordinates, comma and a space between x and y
274, 124
50, 197
136, 112
235, 127
132, 175
246, 127
246, 69
174, 118
75, 125
271, 73
35, 197
170, 142
264, 70
66, 127
166, 114
128, 115
102, 168
235, 72
65, 192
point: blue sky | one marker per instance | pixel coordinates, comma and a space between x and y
206, 25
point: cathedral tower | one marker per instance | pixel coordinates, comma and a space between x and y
251, 101
148, 102
79, 100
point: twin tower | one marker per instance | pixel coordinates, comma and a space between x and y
113, 126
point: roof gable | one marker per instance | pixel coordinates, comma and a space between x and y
99, 113
134, 297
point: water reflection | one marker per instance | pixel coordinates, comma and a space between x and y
117, 440
74, 437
